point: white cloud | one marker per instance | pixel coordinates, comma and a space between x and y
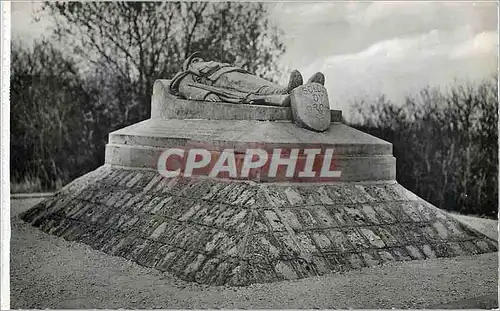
485, 43
395, 48
23, 24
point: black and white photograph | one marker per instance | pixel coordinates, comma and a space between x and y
250, 155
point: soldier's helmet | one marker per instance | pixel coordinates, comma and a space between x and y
195, 57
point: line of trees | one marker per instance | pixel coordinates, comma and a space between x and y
445, 143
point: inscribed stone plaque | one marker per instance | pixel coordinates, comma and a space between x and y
310, 107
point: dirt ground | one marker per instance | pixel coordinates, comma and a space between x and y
50, 272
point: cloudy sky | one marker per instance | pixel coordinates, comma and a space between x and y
366, 49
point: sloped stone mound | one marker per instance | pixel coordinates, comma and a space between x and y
238, 233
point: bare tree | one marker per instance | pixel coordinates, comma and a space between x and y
445, 144
47, 122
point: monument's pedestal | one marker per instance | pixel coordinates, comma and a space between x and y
219, 231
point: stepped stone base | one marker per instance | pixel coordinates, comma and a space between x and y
238, 233
358, 156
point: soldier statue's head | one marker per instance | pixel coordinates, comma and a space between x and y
193, 58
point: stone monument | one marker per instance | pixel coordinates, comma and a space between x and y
261, 221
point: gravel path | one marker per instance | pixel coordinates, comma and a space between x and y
50, 272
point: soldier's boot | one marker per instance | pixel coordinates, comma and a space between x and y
295, 81
318, 77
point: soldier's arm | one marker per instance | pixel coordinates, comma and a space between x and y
191, 92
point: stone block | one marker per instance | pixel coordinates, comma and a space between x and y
147, 225
194, 266
483, 246
304, 268
121, 202
134, 249
224, 216
441, 231
341, 262
290, 217
371, 259
386, 236
386, 256
324, 218
149, 255
192, 210
100, 239
285, 270
337, 195
430, 212
223, 272
340, 215
248, 193
372, 238
198, 188
456, 249
323, 196
212, 191
397, 211
119, 241
208, 269
263, 246
137, 176
159, 231
469, 248
356, 217
442, 250
372, 216
289, 247
260, 224
428, 251
182, 262
49, 223
355, 261
274, 221
321, 265
234, 194
411, 210
401, 254
415, 252
163, 206
343, 241
362, 195
322, 240
168, 258
378, 193
252, 272
306, 243
239, 218
275, 196
309, 194
307, 219
413, 233
139, 205
176, 208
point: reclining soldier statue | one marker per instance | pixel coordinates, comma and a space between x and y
213, 81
